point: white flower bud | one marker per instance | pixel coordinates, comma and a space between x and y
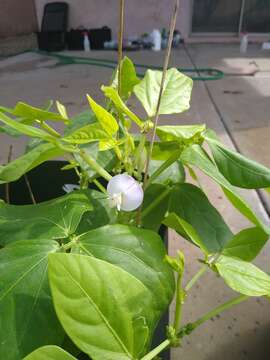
125, 192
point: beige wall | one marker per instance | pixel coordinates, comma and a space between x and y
141, 15
17, 17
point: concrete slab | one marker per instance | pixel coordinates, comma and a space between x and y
241, 333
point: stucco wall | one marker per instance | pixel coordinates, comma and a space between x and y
18, 17
141, 15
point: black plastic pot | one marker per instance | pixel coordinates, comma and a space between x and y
47, 182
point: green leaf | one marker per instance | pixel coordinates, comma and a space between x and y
108, 322
176, 92
30, 112
106, 120
180, 132
191, 204
163, 150
27, 317
239, 170
128, 78
54, 219
39, 154
86, 134
102, 215
243, 276
247, 244
82, 119
155, 206
25, 129
175, 222
113, 95
195, 155
140, 252
50, 352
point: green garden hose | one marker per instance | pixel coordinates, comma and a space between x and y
201, 74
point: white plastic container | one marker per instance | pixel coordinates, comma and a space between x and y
244, 43
86, 42
156, 38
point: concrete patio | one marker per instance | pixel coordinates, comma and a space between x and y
237, 108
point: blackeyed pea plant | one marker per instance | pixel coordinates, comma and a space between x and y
87, 273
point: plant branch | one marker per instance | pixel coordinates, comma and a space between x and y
178, 302
196, 277
165, 67
188, 328
94, 165
7, 184
156, 350
120, 42
156, 202
29, 189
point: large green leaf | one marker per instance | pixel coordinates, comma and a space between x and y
239, 170
102, 215
54, 219
247, 244
128, 78
138, 251
49, 352
27, 316
25, 129
113, 95
155, 206
105, 311
176, 92
15, 169
86, 134
33, 113
191, 204
106, 120
196, 156
243, 276
182, 133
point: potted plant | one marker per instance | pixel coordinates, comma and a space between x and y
86, 273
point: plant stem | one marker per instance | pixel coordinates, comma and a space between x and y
100, 186
212, 313
178, 303
49, 129
29, 189
7, 184
156, 350
165, 67
196, 277
94, 165
120, 42
155, 202
163, 167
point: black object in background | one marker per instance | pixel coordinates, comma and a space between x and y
98, 37
52, 36
47, 182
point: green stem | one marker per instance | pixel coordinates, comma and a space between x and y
94, 165
178, 303
196, 277
156, 202
156, 350
100, 186
49, 129
163, 167
211, 314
